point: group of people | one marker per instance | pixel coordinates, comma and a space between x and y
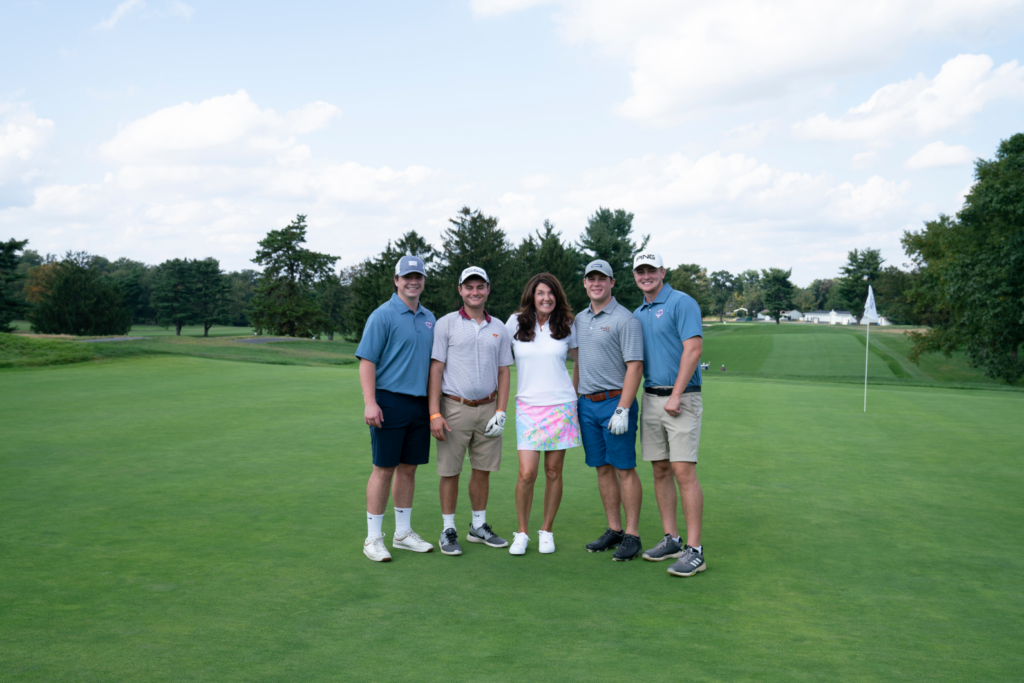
449, 378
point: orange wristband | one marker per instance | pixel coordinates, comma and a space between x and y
435, 415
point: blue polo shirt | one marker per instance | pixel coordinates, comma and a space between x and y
399, 341
667, 322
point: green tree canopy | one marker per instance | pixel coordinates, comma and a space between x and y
11, 305
211, 294
544, 252
473, 239
284, 300
972, 269
748, 287
777, 291
693, 280
609, 236
81, 301
722, 286
861, 269
173, 296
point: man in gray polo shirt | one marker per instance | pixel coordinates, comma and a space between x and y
468, 395
607, 377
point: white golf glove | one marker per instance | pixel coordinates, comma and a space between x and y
619, 424
496, 425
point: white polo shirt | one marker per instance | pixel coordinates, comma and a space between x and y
542, 379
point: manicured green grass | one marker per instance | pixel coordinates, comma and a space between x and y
157, 331
172, 518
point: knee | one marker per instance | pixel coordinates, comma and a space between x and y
527, 477
662, 471
553, 473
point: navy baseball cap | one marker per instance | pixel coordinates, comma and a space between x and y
410, 264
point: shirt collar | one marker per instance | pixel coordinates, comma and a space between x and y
397, 302
462, 312
662, 297
612, 305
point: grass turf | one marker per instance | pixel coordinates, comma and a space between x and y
171, 518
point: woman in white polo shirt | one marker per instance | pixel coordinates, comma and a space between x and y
546, 417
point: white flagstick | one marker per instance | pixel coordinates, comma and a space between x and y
867, 344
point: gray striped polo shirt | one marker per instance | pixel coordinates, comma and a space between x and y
607, 341
471, 353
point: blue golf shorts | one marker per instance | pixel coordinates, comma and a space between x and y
405, 437
600, 445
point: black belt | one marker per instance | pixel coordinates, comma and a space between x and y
668, 392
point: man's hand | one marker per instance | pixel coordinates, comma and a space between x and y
437, 427
672, 406
373, 415
496, 425
619, 424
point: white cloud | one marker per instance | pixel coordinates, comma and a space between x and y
23, 139
750, 135
688, 57
939, 154
537, 181
921, 106
864, 160
180, 9
490, 8
119, 12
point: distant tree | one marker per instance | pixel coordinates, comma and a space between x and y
891, 296
80, 301
544, 252
10, 305
173, 296
722, 285
334, 298
609, 236
822, 292
135, 280
284, 301
748, 285
777, 291
803, 299
241, 290
473, 239
861, 269
211, 294
972, 270
693, 280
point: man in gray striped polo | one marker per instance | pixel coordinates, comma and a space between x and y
467, 395
607, 378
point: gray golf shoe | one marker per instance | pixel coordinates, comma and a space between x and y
486, 536
689, 564
450, 542
666, 548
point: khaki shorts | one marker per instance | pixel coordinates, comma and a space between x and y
663, 437
468, 425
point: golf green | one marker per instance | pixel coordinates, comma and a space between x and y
169, 518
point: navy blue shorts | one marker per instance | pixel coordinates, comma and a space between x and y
405, 436
600, 445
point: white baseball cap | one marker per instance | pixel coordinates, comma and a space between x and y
474, 271
648, 258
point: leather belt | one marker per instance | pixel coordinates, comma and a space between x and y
658, 391
473, 404
603, 395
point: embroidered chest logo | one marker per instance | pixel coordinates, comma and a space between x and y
494, 335
660, 312
607, 328
429, 324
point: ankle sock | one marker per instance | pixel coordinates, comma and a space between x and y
373, 525
677, 539
403, 521
479, 518
449, 521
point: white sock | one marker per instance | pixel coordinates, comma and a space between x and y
676, 539
403, 518
479, 518
449, 521
373, 525
698, 548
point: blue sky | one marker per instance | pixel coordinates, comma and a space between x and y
742, 134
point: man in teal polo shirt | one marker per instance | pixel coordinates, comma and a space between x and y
394, 362
672, 408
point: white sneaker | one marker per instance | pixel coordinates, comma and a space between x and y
547, 542
519, 543
375, 549
411, 541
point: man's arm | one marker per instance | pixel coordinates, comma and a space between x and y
575, 355
634, 375
437, 424
504, 383
692, 349
372, 413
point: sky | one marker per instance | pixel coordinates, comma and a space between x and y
741, 134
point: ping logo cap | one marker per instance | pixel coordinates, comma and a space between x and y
410, 264
599, 266
648, 258
474, 271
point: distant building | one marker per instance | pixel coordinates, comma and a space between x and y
832, 317
793, 315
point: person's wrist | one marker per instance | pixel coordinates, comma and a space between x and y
435, 416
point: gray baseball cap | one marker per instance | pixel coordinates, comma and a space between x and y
599, 266
410, 264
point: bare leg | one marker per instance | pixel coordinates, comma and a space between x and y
553, 461
528, 462
404, 485
479, 488
665, 493
632, 497
449, 490
608, 485
693, 500
377, 489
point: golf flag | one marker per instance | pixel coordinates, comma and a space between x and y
869, 306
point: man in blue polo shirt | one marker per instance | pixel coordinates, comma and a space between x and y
671, 413
394, 362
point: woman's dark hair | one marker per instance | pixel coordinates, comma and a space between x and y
561, 318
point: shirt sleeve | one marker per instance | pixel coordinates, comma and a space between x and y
439, 351
688, 322
505, 352
375, 337
631, 340
572, 336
